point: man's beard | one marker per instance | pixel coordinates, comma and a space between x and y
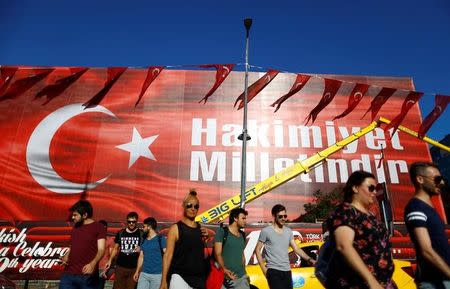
431, 190
78, 224
279, 224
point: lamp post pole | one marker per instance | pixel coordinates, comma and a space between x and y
244, 137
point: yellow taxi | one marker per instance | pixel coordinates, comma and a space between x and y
303, 273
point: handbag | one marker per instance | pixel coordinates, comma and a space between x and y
324, 261
216, 274
215, 277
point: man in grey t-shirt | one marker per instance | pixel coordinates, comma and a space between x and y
276, 240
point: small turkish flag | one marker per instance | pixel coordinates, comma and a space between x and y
379, 100
409, 102
331, 88
299, 83
6, 75
256, 87
441, 102
114, 74
152, 74
356, 95
54, 90
223, 70
20, 86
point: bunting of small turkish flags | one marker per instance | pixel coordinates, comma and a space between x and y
6, 75
152, 74
256, 87
331, 88
356, 96
54, 90
379, 100
410, 101
441, 102
299, 83
114, 74
20, 86
223, 70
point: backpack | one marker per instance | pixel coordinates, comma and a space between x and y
225, 235
160, 246
216, 275
325, 260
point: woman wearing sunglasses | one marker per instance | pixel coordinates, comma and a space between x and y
183, 261
363, 257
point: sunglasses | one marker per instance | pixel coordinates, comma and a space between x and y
282, 216
436, 179
131, 222
189, 206
372, 188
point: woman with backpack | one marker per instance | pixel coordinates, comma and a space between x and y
363, 256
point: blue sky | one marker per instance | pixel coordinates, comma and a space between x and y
382, 38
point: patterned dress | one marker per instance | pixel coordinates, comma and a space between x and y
372, 244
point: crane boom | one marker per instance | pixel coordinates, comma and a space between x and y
221, 211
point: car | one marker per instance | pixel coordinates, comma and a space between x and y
303, 273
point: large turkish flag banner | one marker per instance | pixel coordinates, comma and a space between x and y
145, 158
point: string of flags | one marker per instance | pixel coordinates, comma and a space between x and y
10, 89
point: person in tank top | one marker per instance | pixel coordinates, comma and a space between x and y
183, 262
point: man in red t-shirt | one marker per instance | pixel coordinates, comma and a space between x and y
87, 246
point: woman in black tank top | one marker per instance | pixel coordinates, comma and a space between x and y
184, 260
188, 257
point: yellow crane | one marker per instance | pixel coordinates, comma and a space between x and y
221, 211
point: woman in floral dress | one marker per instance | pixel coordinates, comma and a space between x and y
363, 256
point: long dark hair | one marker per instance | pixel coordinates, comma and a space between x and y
355, 179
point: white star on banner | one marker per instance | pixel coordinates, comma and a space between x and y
138, 147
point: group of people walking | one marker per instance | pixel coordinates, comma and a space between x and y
363, 259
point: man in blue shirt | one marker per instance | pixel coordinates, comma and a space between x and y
426, 229
149, 266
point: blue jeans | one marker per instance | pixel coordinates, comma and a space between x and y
149, 281
71, 281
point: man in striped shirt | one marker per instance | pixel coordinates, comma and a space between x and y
426, 229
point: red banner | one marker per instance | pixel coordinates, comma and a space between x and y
145, 158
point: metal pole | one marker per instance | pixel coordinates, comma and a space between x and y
244, 136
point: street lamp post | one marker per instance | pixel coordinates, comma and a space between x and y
244, 137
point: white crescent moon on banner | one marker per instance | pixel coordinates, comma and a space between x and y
438, 111
156, 71
410, 103
38, 150
227, 71
357, 96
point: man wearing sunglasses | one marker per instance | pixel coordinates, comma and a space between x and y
276, 239
426, 229
126, 248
